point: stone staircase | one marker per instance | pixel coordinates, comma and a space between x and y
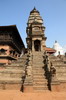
60, 67
30, 73
11, 76
39, 79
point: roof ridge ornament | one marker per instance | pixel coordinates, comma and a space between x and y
55, 41
34, 8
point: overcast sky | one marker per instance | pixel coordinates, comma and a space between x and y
53, 13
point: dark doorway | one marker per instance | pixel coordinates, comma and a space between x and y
37, 45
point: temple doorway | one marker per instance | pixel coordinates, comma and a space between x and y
37, 45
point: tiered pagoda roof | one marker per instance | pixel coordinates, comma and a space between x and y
34, 17
10, 35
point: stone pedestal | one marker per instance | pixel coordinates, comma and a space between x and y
58, 86
55, 84
63, 85
28, 86
28, 89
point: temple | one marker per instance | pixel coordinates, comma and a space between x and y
36, 33
31, 69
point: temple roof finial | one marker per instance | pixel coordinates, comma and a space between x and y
34, 8
55, 41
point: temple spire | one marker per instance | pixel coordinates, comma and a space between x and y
34, 8
55, 41
35, 31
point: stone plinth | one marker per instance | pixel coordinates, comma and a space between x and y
55, 86
63, 86
28, 89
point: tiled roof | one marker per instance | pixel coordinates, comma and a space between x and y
49, 49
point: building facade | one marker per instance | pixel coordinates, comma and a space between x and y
11, 44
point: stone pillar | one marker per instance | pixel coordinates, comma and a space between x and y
33, 45
42, 46
8, 53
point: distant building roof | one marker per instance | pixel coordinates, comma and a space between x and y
49, 50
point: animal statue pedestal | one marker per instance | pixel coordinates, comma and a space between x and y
55, 84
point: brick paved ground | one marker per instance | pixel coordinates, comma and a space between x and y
17, 95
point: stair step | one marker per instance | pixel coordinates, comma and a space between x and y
38, 62
39, 77
44, 85
61, 71
16, 64
15, 67
58, 64
38, 58
11, 75
11, 70
39, 74
40, 83
38, 67
41, 91
10, 80
55, 59
40, 88
63, 65
38, 70
38, 80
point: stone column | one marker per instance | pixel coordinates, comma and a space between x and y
32, 45
41, 45
7, 52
